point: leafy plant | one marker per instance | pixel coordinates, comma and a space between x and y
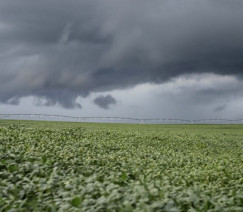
121, 168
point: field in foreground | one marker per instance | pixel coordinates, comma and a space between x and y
47, 166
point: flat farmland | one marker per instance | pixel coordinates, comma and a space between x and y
58, 166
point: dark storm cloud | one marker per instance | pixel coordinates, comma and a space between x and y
104, 102
58, 50
66, 101
219, 108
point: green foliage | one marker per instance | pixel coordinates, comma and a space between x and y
121, 168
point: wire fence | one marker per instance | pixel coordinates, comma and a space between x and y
51, 117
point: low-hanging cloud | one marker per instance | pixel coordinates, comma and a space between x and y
104, 102
220, 108
58, 50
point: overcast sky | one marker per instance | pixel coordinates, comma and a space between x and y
139, 58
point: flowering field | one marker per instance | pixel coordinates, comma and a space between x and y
98, 167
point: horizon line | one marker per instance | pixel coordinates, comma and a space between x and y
79, 118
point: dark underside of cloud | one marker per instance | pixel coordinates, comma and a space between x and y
219, 108
104, 102
58, 50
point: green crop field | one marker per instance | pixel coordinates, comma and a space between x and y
57, 166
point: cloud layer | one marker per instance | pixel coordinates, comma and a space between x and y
104, 102
58, 50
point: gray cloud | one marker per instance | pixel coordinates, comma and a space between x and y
219, 108
104, 102
186, 97
67, 101
58, 50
